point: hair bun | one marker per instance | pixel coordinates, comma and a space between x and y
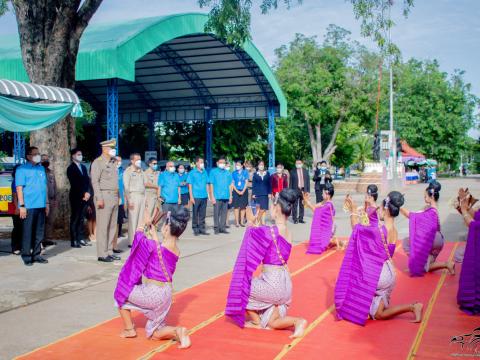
289, 195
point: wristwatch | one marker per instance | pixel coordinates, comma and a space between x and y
21, 205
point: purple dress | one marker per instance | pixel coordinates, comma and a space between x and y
322, 229
468, 296
366, 275
372, 215
272, 288
152, 298
425, 241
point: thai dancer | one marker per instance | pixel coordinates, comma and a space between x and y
322, 229
370, 209
145, 281
265, 298
367, 275
425, 240
468, 296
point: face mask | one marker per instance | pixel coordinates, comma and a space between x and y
221, 166
112, 152
261, 167
46, 164
138, 163
279, 170
154, 167
249, 168
238, 167
181, 171
227, 168
298, 166
171, 169
79, 158
201, 166
36, 159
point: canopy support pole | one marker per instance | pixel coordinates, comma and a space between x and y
271, 137
18, 147
209, 137
151, 131
112, 110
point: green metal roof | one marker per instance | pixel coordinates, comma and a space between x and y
111, 50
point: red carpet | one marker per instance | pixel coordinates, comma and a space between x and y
214, 337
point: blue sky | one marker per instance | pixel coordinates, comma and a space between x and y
447, 30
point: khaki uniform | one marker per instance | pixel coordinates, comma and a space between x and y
134, 184
104, 175
151, 194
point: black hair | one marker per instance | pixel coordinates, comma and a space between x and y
323, 162
222, 158
394, 203
286, 199
30, 149
74, 151
198, 158
132, 155
260, 161
178, 220
433, 190
150, 160
329, 189
279, 164
372, 190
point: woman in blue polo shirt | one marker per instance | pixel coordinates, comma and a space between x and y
261, 188
240, 193
183, 175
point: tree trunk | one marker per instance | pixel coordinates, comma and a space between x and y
330, 149
50, 34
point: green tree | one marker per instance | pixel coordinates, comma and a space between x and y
434, 112
363, 150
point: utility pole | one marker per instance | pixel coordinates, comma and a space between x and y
393, 150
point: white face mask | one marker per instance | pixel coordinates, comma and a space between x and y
249, 168
261, 167
112, 152
79, 158
238, 167
221, 166
227, 168
279, 170
201, 165
138, 163
181, 171
298, 166
36, 159
171, 169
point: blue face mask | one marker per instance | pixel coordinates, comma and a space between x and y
154, 167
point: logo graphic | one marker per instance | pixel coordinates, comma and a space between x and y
468, 342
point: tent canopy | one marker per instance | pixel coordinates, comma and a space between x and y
410, 154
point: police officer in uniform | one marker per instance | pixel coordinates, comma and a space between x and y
104, 176
151, 185
134, 185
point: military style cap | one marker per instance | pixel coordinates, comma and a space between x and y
109, 143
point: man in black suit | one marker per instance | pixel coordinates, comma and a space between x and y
79, 195
300, 181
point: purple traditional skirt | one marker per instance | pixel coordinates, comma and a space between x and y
385, 286
153, 301
272, 288
437, 247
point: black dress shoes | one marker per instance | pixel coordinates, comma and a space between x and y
204, 233
117, 251
28, 262
295, 221
114, 257
84, 243
224, 232
105, 259
40, 260
302, 222
75, 245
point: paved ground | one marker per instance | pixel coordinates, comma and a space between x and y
43, 303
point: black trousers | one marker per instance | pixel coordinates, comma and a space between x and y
33, 228
298, 209
77, 219
120, 219
220, 215
319, 193
199, 213
16, 233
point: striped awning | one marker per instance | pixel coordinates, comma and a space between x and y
37, 92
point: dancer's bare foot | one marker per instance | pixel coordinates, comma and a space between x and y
128, 333
252, 325
418, 311
300, 326
183, 338
451, 267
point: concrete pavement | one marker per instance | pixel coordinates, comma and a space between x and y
44, 303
